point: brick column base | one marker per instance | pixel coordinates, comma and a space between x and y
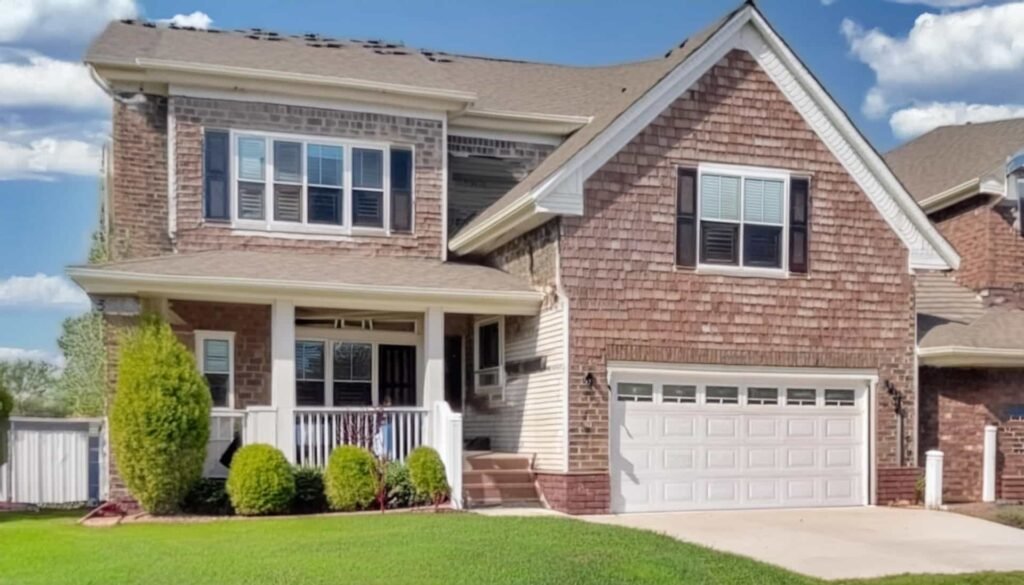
898, 484
576, 493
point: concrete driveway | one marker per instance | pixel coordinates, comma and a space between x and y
844, 543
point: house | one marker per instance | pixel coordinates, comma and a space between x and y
681, 283
969, 180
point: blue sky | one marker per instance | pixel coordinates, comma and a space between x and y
898, 67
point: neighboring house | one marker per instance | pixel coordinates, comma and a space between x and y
969, 180
682, 283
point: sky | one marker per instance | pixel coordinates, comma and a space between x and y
898, 67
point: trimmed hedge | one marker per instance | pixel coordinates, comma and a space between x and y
309, 491
160, 419
400, 493
208, 497
350, 482
260, 481
426, 471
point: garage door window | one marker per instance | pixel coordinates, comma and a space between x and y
636, 393
762, 396
722, 395
679, 394
839, 398
801, 396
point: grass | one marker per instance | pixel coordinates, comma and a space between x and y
396, 548
1009, 514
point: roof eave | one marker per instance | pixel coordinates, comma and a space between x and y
962, 192
952, 356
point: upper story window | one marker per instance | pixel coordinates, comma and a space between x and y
489, 353
747, 220
306, 184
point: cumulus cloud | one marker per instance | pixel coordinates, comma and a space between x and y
42, 159
916, 120
41, 291
59, 19
197, 19
941, 3
30, 79
16, 354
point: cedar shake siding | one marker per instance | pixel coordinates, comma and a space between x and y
629, 301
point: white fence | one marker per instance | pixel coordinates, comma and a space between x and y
395, 431
54, 461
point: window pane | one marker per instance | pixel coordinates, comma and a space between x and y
309, 360
218, 389
762, 201
801, 396
250, 200
762, 395
323, 165
719, 197
401, 211
288, 202
839, 398
762, 246
353, 361
635, 392
215, 356
719, 243
680, 394
252, 159
401, 169
367, 168
368, 208
216, 174
324, 205
401, 190
288, 161
489, 350
722, 395
353, 394
309, 393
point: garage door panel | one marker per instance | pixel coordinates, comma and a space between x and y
638, 426
839, 457
722, 491
679, 492
762, 428
800, 458
721, 427
717, 458
762, 492
678, 426
679, 459
762, 458
801, 427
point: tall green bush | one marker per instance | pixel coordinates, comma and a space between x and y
160, 420
6, 406
426, 471
350, 481
260, 481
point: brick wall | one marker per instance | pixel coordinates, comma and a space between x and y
898, 485
956, 404
114, 328
575, 493
251, 324
991, 249
628, 301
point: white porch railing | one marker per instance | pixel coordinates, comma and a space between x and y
393, 431
224, 426
446, 438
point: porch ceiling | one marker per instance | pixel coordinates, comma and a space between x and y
324, 280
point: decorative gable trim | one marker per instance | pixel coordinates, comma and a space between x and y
748, 31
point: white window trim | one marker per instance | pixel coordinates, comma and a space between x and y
268, 224
203, 335
742, 173
328, 344
477, 325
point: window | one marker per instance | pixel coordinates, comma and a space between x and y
489, 353
679, 394
801, 396
309, 373
722, 395
215, 351
839, 398
742, 218
353, 374
306, 184
635, 392
762, 396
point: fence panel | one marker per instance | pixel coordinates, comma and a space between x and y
53, 461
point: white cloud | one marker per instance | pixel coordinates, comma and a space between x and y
976, 53
197, 19
41, 291
941, 3
43, 158
14, 354
60, 19
916, 120
29, 79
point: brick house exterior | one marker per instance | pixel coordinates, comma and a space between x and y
539, 292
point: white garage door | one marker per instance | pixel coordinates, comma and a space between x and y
692, 441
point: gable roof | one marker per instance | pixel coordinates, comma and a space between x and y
950, 156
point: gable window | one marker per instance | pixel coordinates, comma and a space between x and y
215, 352
735, 217
489, 353
276, 182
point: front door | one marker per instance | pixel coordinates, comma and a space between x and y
453, 371
397, 375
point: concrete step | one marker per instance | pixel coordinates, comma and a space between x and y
485, 460
503, 494
496, 476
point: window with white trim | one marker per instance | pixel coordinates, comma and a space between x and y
721, 395
673, 393
307, 184
626, 392
742, 220
489, 353
841, 397
762, 396
353, 374
801, 396
215, 352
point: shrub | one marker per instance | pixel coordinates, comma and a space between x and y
160, 420
208, 497
6, 406
426, 471
349, 481
309, 491
260, 481
400, 493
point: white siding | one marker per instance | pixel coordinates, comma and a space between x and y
532, 417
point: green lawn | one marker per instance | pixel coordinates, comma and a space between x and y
50, 548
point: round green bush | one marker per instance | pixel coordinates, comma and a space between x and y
426, 471
260, 481
400, 492
309, 491
350, 481
160, 419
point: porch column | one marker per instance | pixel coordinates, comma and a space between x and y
282, 378
433, 355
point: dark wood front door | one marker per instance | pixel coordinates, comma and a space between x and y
397, 375
453, 371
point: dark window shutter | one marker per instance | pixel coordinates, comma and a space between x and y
799, 221
686, 218
215, 175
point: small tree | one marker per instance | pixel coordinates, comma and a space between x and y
6, 406
160, 420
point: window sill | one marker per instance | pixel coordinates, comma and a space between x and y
738, 271
250, 228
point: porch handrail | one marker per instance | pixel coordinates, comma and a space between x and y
299, 409
391, 432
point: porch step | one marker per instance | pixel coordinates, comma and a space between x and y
497, 476
498, 479
500, 495
488, 460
